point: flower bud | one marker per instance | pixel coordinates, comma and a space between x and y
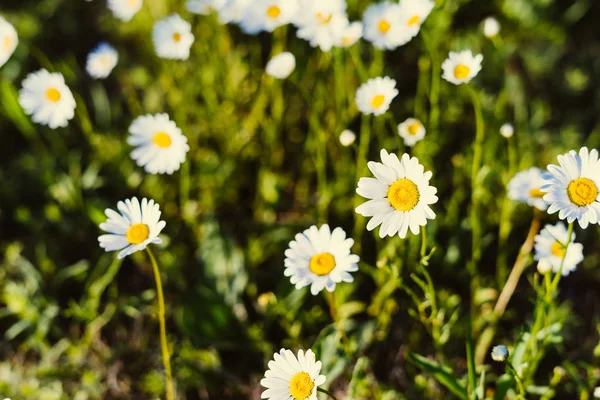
500, 353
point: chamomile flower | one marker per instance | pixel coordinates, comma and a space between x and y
160, 145
292, 378
525, 187
414, 13
8, 40
320, 258
266, 15
233, 11
374, 96
101, 61
47, 99
411, 130
321, 23
133, 228
124, 9
281, 65
351, 34
172, 37
550, 247
572, 188
384, 26
399, 195
461, 67
204, 7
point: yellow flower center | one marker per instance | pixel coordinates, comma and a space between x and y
413, 128
384, 26
377, 101
461, 71
161, 139
346, 41
558, 249
403, 194
137, 233
537, 193
582, 191
323, 19
53, 95
273, 12
322, 264
414, 20
7, 43
301, 386
177, 37
132, 3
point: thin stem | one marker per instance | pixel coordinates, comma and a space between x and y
361, 161
163, 329
184, 186
520, 385
423, 242
326, 392
337, 323
558, 275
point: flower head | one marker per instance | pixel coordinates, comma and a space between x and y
507, 130
233, 11
374, 96
8, 40
347, 138
267, 15
413, 14
411, 130
172, 37
101, 61
550, 248
351, 34
499, 353
491, 27
47, 99
525, 187
294, 378
160, 145
133, 228
320, 258
281, 65
124, 9
385, 26
204, 7
461, 67
573, 187
321, 23
399, 195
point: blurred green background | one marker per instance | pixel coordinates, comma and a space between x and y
265, 163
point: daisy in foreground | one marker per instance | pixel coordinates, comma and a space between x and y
399, 195
160, 145
101, 61
572, 188
525, 187
320, 258
292, 378
550, 248
281, 65
461, 67
133, 228
411, 130
47, 99
172, 37
8, 40
124, 9
374, 96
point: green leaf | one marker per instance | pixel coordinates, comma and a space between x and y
443, 374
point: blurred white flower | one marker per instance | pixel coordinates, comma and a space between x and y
321, 23
101, 61
549, 246
500, 353
525, 187
491, 27
267, 15
461, 67
351, 34
281, 65
597, 393
411, 130
384, 26
374, 96
233, 11
204, 7
160, 145
347, 138
413, 13
124, 9
572, 187
172, 37
320, 258
8, 40
290, 378
544, 266
507, 130
133, 228
47, 99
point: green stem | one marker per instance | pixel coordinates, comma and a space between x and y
558, 275
326, 392
163, 329
361, 162
337, 323
184, 185
472, 374
520, 385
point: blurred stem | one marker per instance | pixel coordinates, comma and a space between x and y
520, 385
434, 90
339, 78
184, 186
358, 63
321, 165
556, 279
471, 372
163, 329
505, 222
361, 161
337, 323
326, 392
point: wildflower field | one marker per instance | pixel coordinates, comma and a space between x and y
299, 199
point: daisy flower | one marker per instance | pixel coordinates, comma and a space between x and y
550, 248
160, 145
384, 26
47, 99
321, 23
399, 195
374, 96
291, 378
8, 40
351, 34
320, 258
233, 11
266, 15
414, 13
461, 67
133, 228
101, 61
204, 7
572, 187
411, 130
491, 27
172, 37
281, 65
124, 9
525, 187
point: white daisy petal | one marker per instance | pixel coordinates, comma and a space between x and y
8, 40
461, 67
375, 96
550, 249
172, 37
